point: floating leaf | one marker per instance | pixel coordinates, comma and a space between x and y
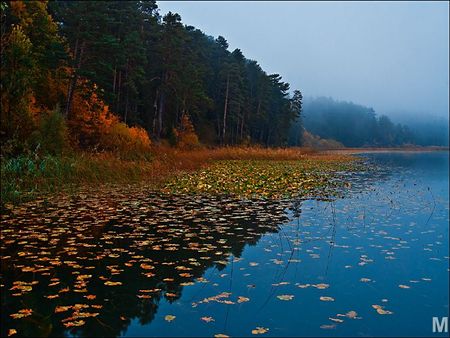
326, 299
321, 286
22, 313
285, 297
242, 299
59, 309
75, 323
169, 318
260, 330
337, 320
207, 319
303, 286
381, 311
351, 314
109, 283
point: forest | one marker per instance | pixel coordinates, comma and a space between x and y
117, 76
355, 125
95, 73
352, 124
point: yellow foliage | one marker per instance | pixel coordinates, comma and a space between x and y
122, 139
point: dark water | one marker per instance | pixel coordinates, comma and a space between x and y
125, 264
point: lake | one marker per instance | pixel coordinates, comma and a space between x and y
371, 263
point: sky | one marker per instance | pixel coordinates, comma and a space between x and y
391, 56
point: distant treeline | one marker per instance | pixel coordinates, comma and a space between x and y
357, 126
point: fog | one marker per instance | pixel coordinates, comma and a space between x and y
391, 56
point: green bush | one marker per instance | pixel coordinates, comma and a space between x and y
51, 137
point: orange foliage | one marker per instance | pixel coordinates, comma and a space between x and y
89, 115
185, 134
96, 127
124, 140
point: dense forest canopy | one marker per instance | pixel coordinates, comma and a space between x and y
121, 64
111, 75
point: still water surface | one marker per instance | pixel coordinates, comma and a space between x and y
374, 263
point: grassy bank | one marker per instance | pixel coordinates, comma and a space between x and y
26, 177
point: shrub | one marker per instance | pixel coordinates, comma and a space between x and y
185, 134
126, 141
315, 142
52, 134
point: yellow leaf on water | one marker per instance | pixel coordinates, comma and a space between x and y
303, 286
59, 309
75, 323
336, 320
109, 283
351, 314
242, 299
170, 294
260, 330
11, 332
285, 297
326, 299
146, 266
321, 286
381, 311
22, 313
169, 318
207, 319
52, 296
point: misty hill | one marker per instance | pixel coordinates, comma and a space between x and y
428, 129
356, 125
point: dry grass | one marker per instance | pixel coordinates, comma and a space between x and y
27, 178
170, 160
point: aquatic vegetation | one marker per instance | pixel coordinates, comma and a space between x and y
132, 245
114, 262
266, 179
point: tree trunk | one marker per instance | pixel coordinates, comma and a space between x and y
127, 95
242, 127
160, 114
74, 79
119, 90
225, 109
114, 79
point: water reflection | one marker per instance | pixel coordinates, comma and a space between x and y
117, 259
117, 263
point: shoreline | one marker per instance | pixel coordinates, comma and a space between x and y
69, 173
347, 151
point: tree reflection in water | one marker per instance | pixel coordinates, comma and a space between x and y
148, 247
